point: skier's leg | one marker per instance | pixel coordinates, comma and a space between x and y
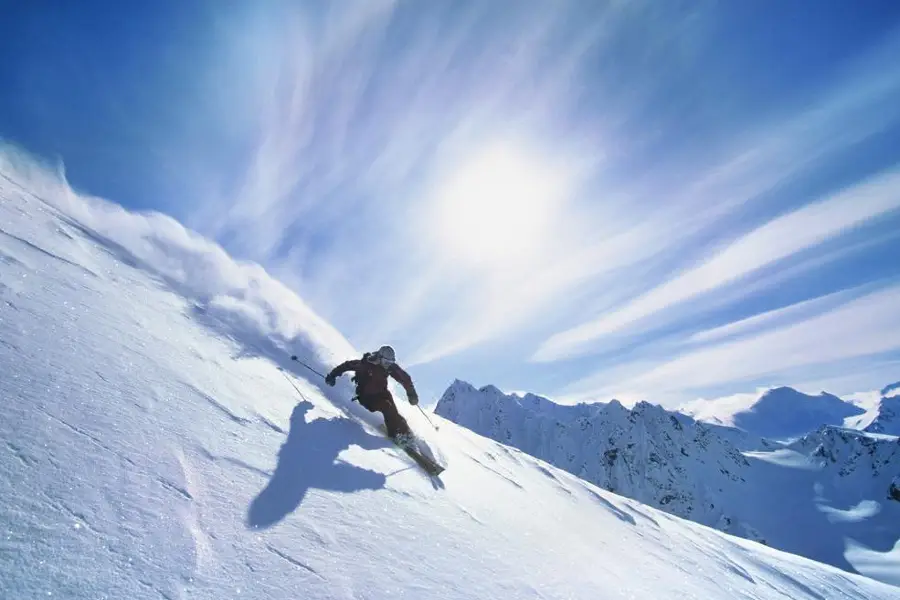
393, 420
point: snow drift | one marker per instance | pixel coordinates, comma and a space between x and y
151, 448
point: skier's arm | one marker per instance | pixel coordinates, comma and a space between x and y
350, 365
405, 380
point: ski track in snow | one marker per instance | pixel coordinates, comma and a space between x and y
45, 252
293, 561
135, 452
498, 473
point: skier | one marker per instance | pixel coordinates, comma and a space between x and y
371, 378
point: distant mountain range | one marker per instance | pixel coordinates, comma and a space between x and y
783, 412
783, 469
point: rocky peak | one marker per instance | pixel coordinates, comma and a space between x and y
850, 452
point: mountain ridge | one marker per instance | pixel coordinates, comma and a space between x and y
714, 475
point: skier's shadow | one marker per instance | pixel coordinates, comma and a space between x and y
307, 460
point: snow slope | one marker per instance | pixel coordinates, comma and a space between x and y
826, 496
798, 498
778, 413
151, 448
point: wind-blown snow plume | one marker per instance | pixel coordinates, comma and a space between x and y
257, 307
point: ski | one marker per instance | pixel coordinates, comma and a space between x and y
427, 464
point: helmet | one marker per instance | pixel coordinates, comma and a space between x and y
384, 356
387, 353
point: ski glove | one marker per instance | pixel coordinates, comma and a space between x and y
330, 379
413, 400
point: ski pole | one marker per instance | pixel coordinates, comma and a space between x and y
295, 359
291, 381
424, 414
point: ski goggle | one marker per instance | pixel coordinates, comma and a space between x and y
379, 359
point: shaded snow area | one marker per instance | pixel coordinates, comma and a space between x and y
151, 448
826, 496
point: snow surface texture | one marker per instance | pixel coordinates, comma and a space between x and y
151, 448
824, 497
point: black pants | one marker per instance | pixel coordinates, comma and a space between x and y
384, 403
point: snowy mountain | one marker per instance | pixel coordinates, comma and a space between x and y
778, 413
846, 453
150, 447
658, 458
829, 487
887, 413
848, 476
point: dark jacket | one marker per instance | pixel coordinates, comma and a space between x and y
372, 379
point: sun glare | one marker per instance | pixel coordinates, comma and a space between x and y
498, 209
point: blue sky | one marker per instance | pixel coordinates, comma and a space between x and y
585, 199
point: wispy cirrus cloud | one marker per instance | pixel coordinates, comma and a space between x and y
778, 239
771, 319
521, 194
351, 144
363, 113
864, 327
